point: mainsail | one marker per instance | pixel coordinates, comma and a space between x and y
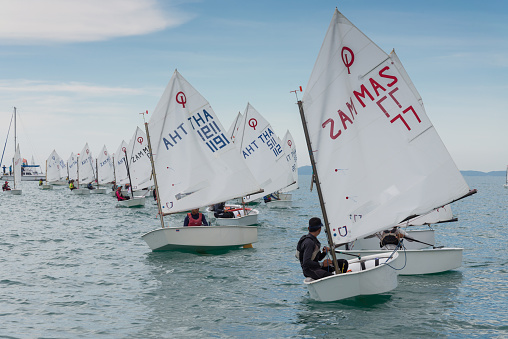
72, 166
140, 167
17, 168
289, 147
195, 163
262, 150
378, 157
120, 167
86, 165
54, 170
105, 172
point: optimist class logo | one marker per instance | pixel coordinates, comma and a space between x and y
181, 99
348, 57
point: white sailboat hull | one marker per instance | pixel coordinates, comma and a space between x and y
98, 191
81, 191
132, 202
14, 192
200, 238
422, 261
45, 187
251, 218
372, 280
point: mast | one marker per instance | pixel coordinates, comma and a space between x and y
77, 170
153, 173
14, 132
46, 171
128, 173
114, 170
97, 173
318, 187
13, 171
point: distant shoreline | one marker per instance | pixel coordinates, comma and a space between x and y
308, 170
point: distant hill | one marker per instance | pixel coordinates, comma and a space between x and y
308, 170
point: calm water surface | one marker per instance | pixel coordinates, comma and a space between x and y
76, 267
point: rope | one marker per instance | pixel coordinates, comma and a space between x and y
1, 160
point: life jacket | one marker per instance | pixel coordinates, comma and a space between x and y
195, 222
119, 196
71, 185
299, 253
389, 237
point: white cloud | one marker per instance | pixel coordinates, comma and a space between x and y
35, 21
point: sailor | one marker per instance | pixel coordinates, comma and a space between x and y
389, 239
6, 187
114, 187
40, 182
195, 218
119, 195
307, 251
90, 186
71, 185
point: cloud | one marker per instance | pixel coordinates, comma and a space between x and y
35, 21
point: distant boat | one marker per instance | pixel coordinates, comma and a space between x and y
30, 172
194, 165
506, 184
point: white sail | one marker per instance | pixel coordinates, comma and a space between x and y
195, 163
54, 171
120, 167
235, 126
105, 173
441, 214
262, 150
72, 167
289, 147
86, 166
140, 167
378, 157
17, 168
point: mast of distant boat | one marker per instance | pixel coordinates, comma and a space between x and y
128, 172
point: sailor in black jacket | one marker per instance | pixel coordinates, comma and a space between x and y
309, 254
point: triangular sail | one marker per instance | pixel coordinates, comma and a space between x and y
195, 163
120, 168
378, 157
72, 166
289, 146
262, 150
17, 168
86, 165
105, 172
140, 167
54, 171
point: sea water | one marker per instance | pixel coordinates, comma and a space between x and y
76, 267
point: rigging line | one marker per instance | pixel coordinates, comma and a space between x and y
401, 245
7, 138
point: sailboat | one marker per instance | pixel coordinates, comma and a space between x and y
16, 165
140, 167
85, 171
285, 198
103, 171
133, 201
192, 160
72, 168
28, 172
376, 157
506, 185
263, 152
56, 170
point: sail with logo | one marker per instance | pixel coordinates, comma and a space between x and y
193, 162
140, 167
289, 147
72, 168
262, 150
121, 177
55, 169
377, 157
103, 171
85, 171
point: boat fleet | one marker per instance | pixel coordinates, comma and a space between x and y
378, 164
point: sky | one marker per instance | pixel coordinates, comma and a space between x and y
82, 71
